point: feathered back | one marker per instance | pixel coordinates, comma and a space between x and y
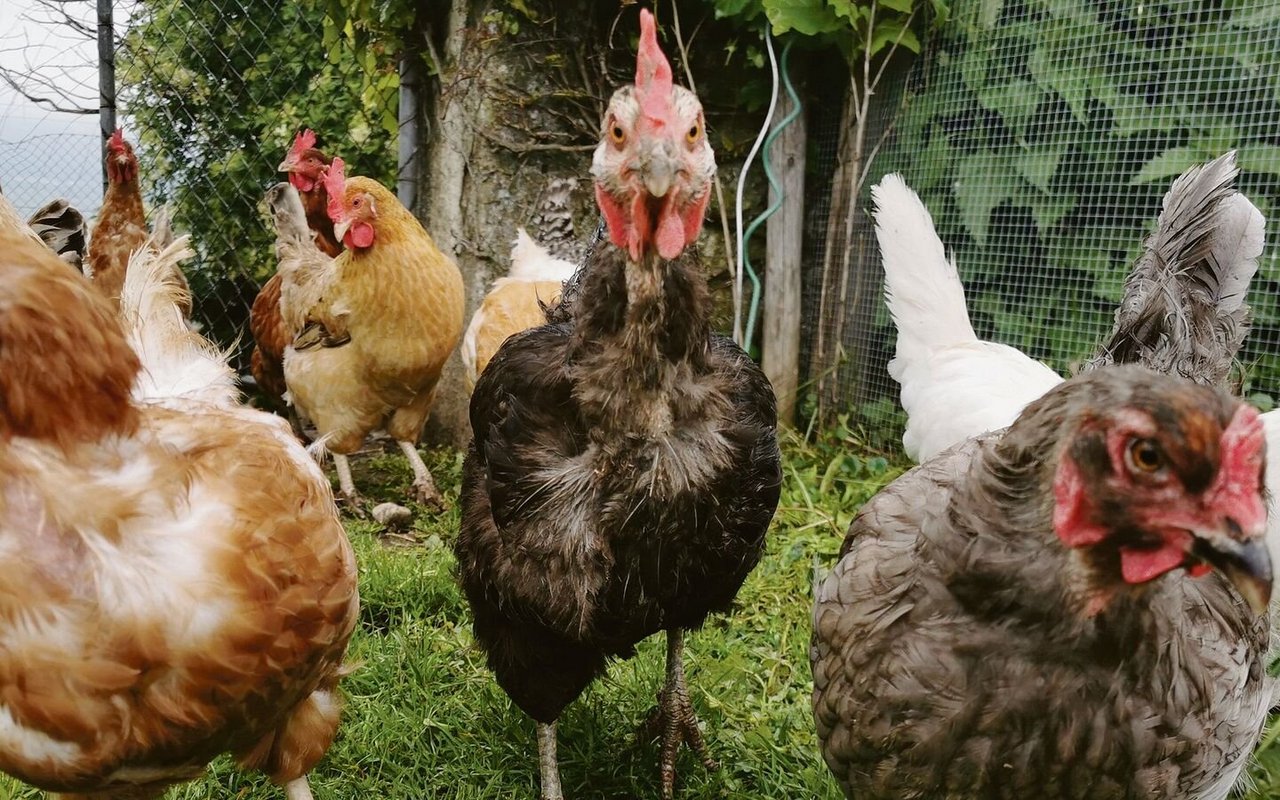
554, 220
62, 228
177, 362
921, 285
1184, 310
11, 222
531, 261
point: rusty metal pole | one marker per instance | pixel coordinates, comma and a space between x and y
106, 80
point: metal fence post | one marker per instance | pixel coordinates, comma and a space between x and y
106, 80
407, 162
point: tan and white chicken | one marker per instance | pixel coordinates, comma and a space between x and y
372, 328
174, 579
515, 302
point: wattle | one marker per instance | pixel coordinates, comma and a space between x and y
360, 235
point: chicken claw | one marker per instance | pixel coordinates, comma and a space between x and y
674, 719
424, 489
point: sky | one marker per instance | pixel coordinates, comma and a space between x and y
45, 154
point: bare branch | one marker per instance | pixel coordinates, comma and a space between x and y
46, 102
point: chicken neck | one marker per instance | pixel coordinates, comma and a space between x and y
640, 339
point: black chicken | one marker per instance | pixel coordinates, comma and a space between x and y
625, 463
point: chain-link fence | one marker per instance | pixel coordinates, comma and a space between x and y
1042, 134
38, 168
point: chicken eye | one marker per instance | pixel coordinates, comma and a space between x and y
692, 135
1144, 455
617, 134
356, 202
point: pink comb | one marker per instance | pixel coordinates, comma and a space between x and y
653, 71
334, 184
116, 142
304, 141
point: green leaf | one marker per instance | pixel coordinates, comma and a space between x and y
809, 17
889, 31
898, 5
1171, 162
983, 181
1015, 101
1039, 164
1263, 158
989, 13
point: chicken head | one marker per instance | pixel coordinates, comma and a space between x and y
654, 165
305, 164
122, 165
1164, 480
352, 208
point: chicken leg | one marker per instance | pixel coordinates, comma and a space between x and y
674, 719
298, 789
352, 498
548, 763
424, 487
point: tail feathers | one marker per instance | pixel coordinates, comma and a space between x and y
61, 227
921, 285
555, 219
162, 227
1184, 309
289, 216
304, 269
177, 362
531, 261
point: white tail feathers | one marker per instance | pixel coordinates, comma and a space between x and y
1237, 244
177, 362
921, 286
531, 261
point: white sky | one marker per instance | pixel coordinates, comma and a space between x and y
45, 154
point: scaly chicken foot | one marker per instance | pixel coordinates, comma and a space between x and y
673, 719
548, 763
350, 497
424, 486
298, 789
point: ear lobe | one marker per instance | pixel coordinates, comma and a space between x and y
1072, 509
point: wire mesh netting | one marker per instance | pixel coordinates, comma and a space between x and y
1042, 135
215, 92
39, 168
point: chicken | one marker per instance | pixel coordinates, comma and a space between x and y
306, 167
1201, 257
1020, 616
121, 226
61, 227
368, 350
625, 464
174, 579
514, 303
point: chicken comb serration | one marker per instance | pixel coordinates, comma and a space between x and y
305, 140
116, 142
653, 71
334, 184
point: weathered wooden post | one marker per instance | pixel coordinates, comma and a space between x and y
781, 352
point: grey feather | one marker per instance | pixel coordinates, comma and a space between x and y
1184, 310
61, 227
554, 222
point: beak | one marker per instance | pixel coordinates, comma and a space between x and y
287, 165
340, 229
659, 170
1246, 564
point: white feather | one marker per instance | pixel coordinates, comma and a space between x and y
954, 386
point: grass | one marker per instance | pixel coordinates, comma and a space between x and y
424, 718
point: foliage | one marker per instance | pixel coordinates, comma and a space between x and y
875, 24
1043, 133
424, 717
218, 90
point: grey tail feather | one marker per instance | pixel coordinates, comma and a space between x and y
61, 226
1184, 310
554, 221
562, 309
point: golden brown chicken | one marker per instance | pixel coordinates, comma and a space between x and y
515, 303
367, 351
121, 226
174, 580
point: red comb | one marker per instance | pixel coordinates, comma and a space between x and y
116, 142
334, 183
653, 71
304, 141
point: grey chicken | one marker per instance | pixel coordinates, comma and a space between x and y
1073, 608
625, 464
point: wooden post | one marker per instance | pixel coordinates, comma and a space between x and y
781, 357
106, 81
407, 161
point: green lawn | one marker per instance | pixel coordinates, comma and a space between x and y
424, 718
